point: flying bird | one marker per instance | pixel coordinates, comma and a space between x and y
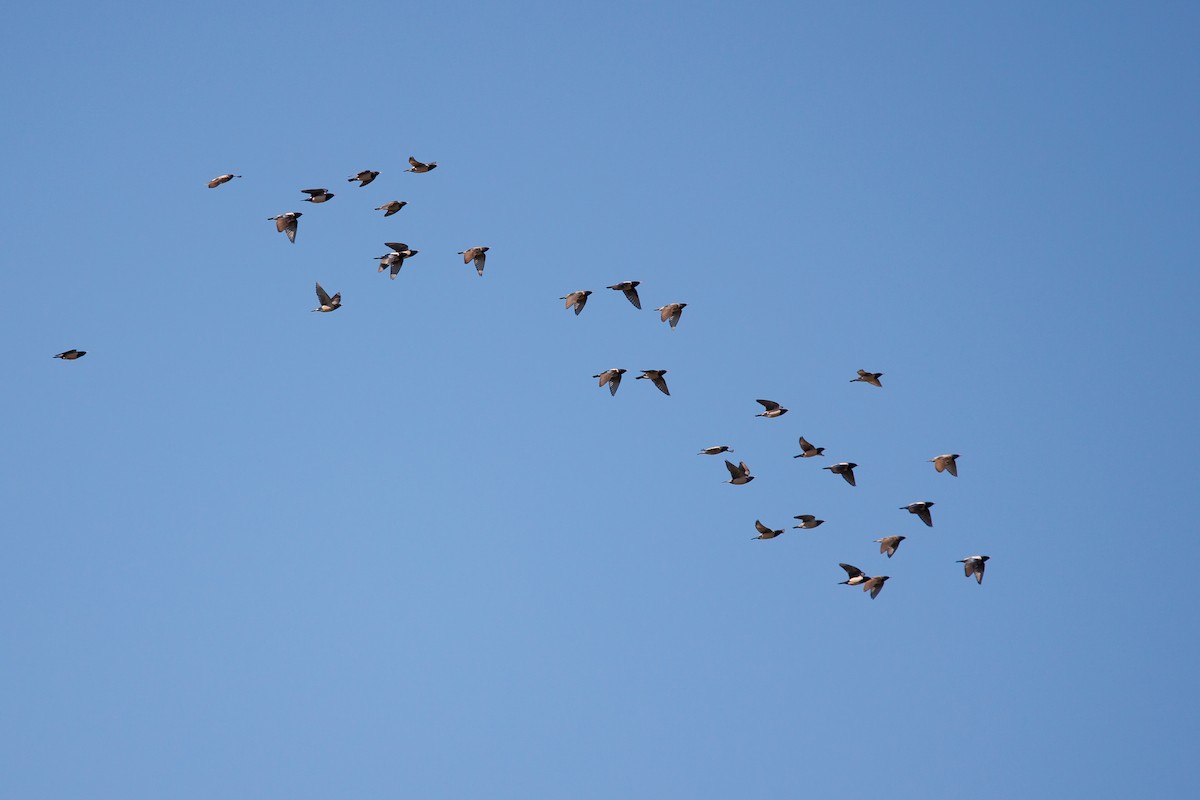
764, 532
739, 474
395, 259
671, 311
889, 544
476, 254
577, 299
947, 463
808, 451
612, 377
316, 195
217, 181
716, 450
875, 585
71, 355
921, 510
630, 290
845, 469
868, 377
417, 166
973, 565
854, 575
656, 377
772, 409
392, 207
364, 177
328, 303
286, 223
808, 522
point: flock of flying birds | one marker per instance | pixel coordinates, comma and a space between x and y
739, 474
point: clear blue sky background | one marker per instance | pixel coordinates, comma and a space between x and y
410, 549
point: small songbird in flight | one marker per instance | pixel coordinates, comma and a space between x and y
286, 223
854, 575
327, 303
739, 473
715, 450
417, 166
630, 290
217, 181
476, 254
808, 451
947, 463
772, 409
577, 299
808, 522
845, 469
671, 311
921, 510
392, 207
364, 177
764, 532
875, 585
395, 259
71, 355
973, 565
868, 377
316, 195
890, 544
656, 377
612, 377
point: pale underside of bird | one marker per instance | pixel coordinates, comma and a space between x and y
396, 258
476, 254
327, 303
287, 223
808, 521
630, 290
807, 450
364, 177
875, 585
766, 533
739, 474
217, 181
655, 376
316, 195
946, 463
772, 409
854, 575
845, 469
868, 377
889, 544
974, 565
418, 166
71, 355
671, 311
611, 377
715, 450
392, 207
921, 510
577, 299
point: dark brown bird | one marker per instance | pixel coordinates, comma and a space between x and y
868, 377
316, 195
764, 532
630, 290
577, 299
286, 223
854, 576
417, 166
739, 474
327, 303
772, 409
392, 207
921, 510
71, 355
875, 585
476, 254
656, 377
890, 544
973, 565
808, 451
671, 311
947, 463
364, 177
716, 450
217, 181
612, 377
808, 522
845, 469
395, 259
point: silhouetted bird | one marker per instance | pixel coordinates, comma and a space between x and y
577, 299
71, 355
364, 177
947, 463
392, 207
921, 510
889, 544
630, 290
973, 565
772, 409
808, 451
808, 522
612, 377
656, 377
671, 311
286, 223
739, 473
716, 450
217, 181
417, 166
875, 585
476, 254
845, 469
395, 259
316, 195
854, 576
764, 532
328, 303
868, 377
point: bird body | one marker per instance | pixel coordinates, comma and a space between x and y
327, 303
921, 509
630, 290
655, 376
71, 355
868, 377
889, 544
716, 450
671, 311
973, 565
317, 195
854, 575
287, 223
808, 451
773, 409
845, 469
612, 377
217, 181
739, 473
947, 463
476, 254
417, 166
364, 177
577, 299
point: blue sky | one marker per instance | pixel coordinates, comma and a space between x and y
411, 549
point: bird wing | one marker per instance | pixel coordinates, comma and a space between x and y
923, 513
661, 383
479, 260
805, 518
952, 466
399, 247
337, 300
290, 228
876, 587
851, 571
769, 405
632, 295
848, 474
763, 529
313, 192
734, 470
675, 315
322, 295
614, 382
